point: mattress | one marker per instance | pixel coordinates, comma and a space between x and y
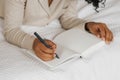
15, 64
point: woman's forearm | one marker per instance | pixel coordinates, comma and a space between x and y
13, 20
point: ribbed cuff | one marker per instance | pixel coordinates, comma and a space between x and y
82, 25
27, 42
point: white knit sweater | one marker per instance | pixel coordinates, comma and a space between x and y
37, 13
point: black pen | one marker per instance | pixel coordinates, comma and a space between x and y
43, 41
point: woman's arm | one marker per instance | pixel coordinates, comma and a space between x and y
70, 19
14, 13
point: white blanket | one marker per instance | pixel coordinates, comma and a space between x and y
15, 64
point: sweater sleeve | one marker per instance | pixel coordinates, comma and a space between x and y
14, 12
70, 17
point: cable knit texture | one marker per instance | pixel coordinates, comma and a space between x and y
37, 13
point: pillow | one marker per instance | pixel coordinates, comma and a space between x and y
110, 14
1, 30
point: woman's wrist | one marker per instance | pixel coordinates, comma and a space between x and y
34, 43
86, 27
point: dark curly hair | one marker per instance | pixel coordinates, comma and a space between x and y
95, 3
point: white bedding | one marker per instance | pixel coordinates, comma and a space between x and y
104, 65
1, 29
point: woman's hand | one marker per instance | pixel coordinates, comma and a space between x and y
100, 30
44, 53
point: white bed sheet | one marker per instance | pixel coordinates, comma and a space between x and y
103, 65
17, 65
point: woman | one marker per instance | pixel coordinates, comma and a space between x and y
41, 13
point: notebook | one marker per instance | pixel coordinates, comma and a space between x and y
73, 44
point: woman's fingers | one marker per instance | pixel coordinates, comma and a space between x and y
42, 51
105, 33
43, 56
42, 47
101, 31
111, 39
94, 30
45, 49
52, 44
109, 36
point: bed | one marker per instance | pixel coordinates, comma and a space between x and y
15, 64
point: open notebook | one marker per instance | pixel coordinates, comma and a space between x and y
73, 44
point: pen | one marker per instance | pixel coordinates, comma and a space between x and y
43, 41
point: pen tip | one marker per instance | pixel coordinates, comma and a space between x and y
57, 56
81, 57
